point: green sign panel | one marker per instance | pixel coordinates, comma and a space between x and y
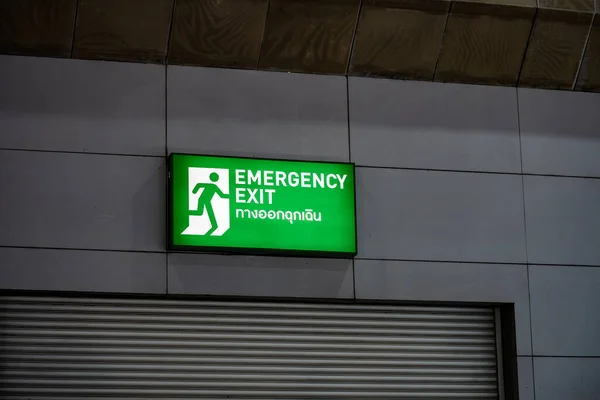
260, 206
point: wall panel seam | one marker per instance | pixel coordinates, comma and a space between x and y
82, 153
525, 227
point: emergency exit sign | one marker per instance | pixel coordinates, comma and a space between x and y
260, 206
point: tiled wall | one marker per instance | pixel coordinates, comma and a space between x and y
444, 210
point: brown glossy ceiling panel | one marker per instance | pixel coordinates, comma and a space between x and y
37, 27
568, 5
226, 33
485, 43
309, 35
589, 73
136, 30
399, 38
557, 43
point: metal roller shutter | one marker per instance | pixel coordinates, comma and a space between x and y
57, 348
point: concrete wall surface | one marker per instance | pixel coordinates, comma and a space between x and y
464, 193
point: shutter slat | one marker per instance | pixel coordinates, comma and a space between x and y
242, 336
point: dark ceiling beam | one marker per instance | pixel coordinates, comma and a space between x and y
532, 43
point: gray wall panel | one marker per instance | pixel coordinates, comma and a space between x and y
82, 106
525, 378
260, 276
257, 114
563, 222
566, 378
86, 271
424, 281
82, 201
560, 132
445, 216
564, 310
433, 125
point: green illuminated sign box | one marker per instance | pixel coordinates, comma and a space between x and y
259, 206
